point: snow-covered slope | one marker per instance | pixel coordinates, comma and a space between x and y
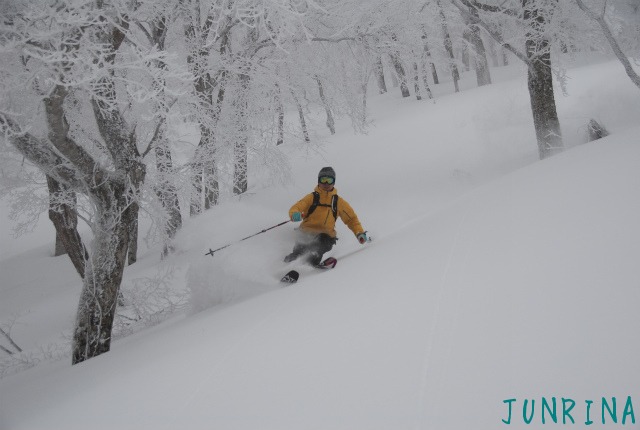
480, 286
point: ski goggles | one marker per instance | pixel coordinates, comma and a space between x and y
326, 180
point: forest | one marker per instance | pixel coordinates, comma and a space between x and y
95, 98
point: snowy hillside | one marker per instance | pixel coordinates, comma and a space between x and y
491, 277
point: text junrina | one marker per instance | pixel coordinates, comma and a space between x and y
564, 411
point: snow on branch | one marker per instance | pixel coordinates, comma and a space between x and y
600, 19
40, 153
494, 34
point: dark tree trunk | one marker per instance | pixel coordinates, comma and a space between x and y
493, 54
427, 58
167, 192
394, 76
434, 73
196, 204
402, 76
330, 122
540, 84
303, 122
363, 118
240, 149
448, 46
483, 74
425, 81
98, 300
132, 251
416, 81
63, 215
59, 249
466, 41
280, 111
379, 71
204, 183
205, 187
211, 184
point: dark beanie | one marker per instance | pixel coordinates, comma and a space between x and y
327, 171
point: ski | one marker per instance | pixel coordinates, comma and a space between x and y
328, 263
292, 276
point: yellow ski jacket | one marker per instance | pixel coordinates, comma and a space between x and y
322, 219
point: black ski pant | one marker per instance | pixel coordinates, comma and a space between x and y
314, 246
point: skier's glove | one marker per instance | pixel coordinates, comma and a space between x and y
362, 238
296, 217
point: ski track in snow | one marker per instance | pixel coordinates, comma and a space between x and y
439, 324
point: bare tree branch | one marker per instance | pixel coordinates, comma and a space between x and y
10, 340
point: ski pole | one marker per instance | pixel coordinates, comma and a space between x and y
212, 251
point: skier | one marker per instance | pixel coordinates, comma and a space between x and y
318, 212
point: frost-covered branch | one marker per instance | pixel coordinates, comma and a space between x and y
617, 50
40, 153
491, 32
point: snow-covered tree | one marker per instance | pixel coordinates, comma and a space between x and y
533, 26
598, 13
72, 75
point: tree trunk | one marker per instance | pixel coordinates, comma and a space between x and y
379, 70
427, 58
98, 300
196, 203
483, 74
280, 111
402, 76
116, 203
540, 85
425, 81
63, 215
166, 190
466, 41
434, 73
394, 75
58, 249
363, 117
165, 187
330, 122
132, 251
416, 81
240, 149
448, 46
204, 182
493, 54
205, 187
303, 122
